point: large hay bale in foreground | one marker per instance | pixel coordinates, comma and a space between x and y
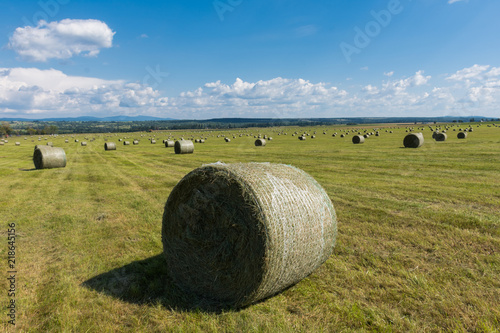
238, 233
47, 157
184, 147
109, 146
358, 139
413, 140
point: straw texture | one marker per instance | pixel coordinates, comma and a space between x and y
47, 157
184, 147
260, 142
110, 146
413, 140
358, 139
238, 233
441, 137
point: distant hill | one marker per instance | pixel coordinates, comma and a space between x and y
302, 121
85, 118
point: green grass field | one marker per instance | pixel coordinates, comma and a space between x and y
418, 246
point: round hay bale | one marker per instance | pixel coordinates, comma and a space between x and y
413, 140
66, 141
227, 139
126, 143
235, 234
18, 143
135, 142
260, 142
184, 147
50, 144
441, 137
462, 135
2, 143
110, 146
169, 143
47, 157
357, 139
83, 143
153, 141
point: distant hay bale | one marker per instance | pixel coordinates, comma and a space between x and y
462, 135
153, 141
50, 144
227, 139
47, 157
2, 143
109, 146
440, 137
169, 143
302, 138
413, 140
18, 143
235, 234
83, 143
126, 143
135, 142
260, 142
357, 139
184, 147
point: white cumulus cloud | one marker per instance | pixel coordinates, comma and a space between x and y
31, 92
61, 40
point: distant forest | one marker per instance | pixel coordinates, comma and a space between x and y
40, 127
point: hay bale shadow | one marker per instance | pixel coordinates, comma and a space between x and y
146, 282
24, 169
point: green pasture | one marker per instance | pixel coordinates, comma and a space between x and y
418, 247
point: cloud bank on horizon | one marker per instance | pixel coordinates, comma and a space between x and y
58, 89
32, 92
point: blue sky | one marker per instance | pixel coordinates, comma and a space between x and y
241, 58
